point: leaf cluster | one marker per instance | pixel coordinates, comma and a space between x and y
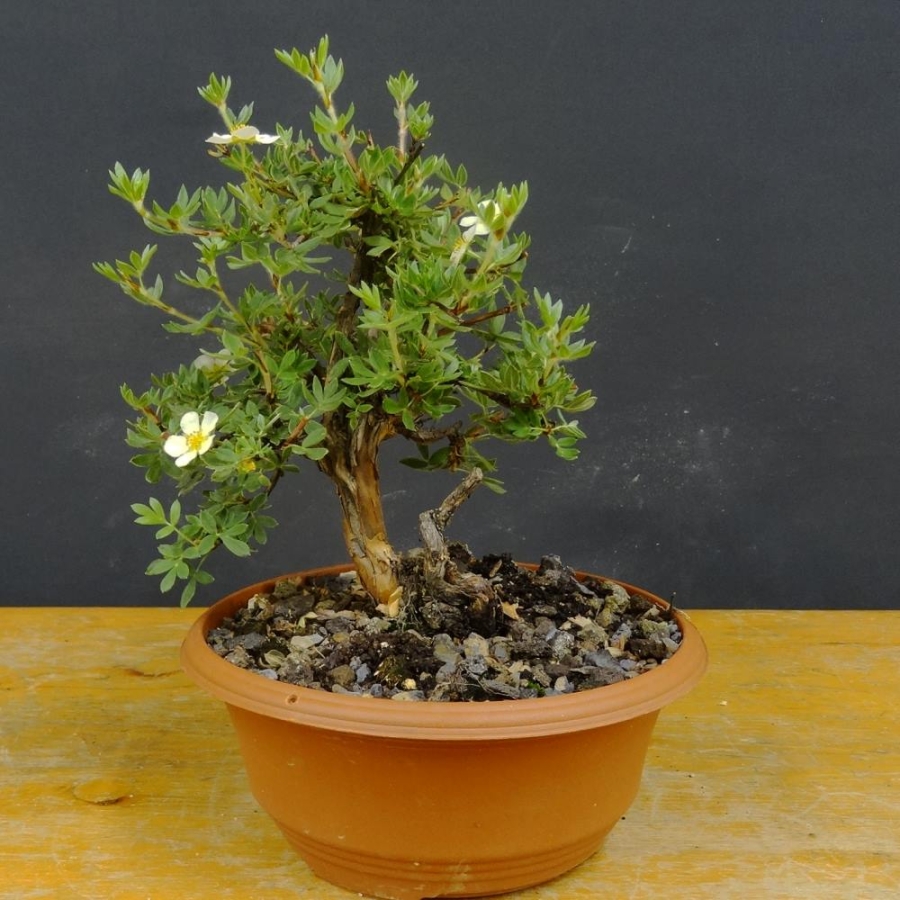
335, 290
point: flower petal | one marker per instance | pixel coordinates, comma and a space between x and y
266, 138
185, 458
207, 443
208, 425
205, 362
190, 422
220, 139
475, 224
175, 445
245, 133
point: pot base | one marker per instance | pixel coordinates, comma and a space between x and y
407, 819
401, 879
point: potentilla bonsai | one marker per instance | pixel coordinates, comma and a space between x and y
349, 294
377, 296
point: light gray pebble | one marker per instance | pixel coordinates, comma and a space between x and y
408, 695
305, 641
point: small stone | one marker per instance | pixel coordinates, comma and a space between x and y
305, 641
617, 597
338, 624
602, 659
252, 641
621, 636
653, 628
545, 609
219, 636
500, 650
652, 647
561, 643
550, 563
557, 670
344, 676
432, 614
598, 676
296, 670
475, 646
260, 604
476, 667
445, 650
239, 657
408, 695
286, 588
500, 688
641, 606
377, 625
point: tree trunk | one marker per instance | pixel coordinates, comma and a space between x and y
352, 464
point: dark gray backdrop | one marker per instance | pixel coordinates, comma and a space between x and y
718, 179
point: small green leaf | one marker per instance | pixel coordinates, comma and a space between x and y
188, 592
159, 567
149, 515
235, 545
168, 581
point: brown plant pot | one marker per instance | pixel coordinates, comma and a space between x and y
413, 800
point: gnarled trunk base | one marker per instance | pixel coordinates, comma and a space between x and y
352, 465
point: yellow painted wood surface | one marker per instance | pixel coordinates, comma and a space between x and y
778, 777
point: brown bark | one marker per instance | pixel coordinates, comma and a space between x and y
352, 465
433, 523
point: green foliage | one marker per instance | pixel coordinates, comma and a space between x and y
428, 314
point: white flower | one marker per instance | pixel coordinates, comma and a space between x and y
476, 224
196, 437
245, 134
216, 366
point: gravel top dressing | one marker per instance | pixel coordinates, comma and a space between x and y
526, 634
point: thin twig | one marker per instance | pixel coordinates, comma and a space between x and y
415, 151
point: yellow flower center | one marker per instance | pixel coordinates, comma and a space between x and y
195, 440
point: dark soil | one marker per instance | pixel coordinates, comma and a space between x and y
541, 633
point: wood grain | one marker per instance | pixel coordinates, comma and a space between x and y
779, 777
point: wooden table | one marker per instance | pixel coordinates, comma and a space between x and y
779, 777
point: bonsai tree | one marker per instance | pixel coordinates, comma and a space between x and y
376, 296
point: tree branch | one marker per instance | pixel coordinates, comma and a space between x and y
433, 523
415, 151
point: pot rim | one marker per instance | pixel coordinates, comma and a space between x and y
450, 721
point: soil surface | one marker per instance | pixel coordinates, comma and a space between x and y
536, 634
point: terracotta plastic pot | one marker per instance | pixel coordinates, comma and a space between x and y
409, 800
